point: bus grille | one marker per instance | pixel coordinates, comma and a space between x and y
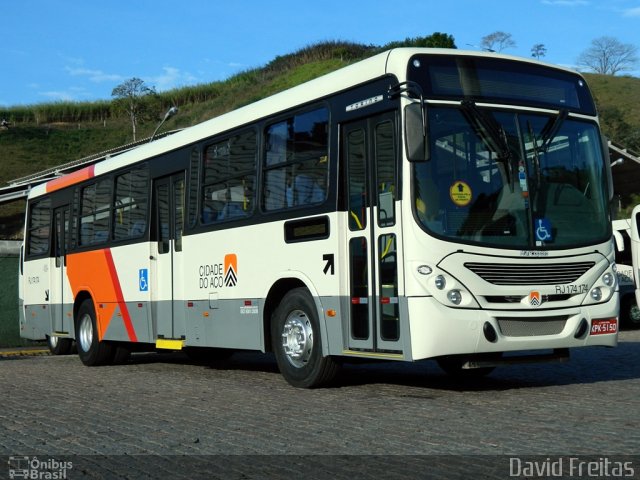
530, 327
527, 274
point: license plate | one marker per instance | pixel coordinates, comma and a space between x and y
601, 326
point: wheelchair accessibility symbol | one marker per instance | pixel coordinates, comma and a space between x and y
143, 279
543, 230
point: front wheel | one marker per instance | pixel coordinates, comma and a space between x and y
295, 333
91, 351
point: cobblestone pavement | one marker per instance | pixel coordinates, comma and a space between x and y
161, 416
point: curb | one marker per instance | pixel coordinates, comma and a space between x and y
25, 352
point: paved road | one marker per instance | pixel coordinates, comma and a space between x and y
161, 415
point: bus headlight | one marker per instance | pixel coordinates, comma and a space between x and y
454, 296
596, 294
608, 279
440, 282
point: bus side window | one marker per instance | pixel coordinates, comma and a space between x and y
229, 177
296, 161
38, 227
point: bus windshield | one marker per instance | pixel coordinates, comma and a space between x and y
510, 179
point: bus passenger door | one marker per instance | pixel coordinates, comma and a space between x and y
369, 154
59, 288
167, 285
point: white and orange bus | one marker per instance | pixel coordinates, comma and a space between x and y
422, 203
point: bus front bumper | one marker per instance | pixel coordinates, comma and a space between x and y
438, 330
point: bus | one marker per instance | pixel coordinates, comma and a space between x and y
418, 204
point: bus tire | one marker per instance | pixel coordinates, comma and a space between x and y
297, 343
91, 351
59, 346
629, 312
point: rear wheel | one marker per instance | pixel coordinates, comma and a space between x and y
91, 351
295, 333
59, 346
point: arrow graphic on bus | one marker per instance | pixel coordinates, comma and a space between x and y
328, 257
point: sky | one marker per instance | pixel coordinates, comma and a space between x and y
79, 50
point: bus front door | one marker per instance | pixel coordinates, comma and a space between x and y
167, 285
369, 155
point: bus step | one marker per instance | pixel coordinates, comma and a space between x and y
170, 343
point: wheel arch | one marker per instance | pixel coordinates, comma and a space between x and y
80, 298
273, 298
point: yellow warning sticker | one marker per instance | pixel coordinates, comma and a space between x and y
460, 193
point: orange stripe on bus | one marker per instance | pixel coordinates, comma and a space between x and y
70, 179
95, 272
120, 297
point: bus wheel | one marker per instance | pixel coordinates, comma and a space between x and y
91, 351
452, 366
59, 346
629, 312
295, 333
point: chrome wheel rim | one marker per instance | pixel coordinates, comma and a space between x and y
297, 338
85, 333
53, 341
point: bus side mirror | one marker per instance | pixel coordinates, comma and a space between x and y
415, 133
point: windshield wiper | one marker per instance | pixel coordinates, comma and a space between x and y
491, 133
551, 128
536, 154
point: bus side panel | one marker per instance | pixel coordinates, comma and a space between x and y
228, 274
111, 277
35, 320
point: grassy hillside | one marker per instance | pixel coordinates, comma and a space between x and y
46, 135
617, 100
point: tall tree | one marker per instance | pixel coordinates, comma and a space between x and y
538, 50
497, 41
130, 99
609, 56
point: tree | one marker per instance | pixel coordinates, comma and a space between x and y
608, 56
439, 40
538, 50
497, 41
130, 99
435, 40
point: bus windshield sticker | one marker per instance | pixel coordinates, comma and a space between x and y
460, 193
543, 230
522, 178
